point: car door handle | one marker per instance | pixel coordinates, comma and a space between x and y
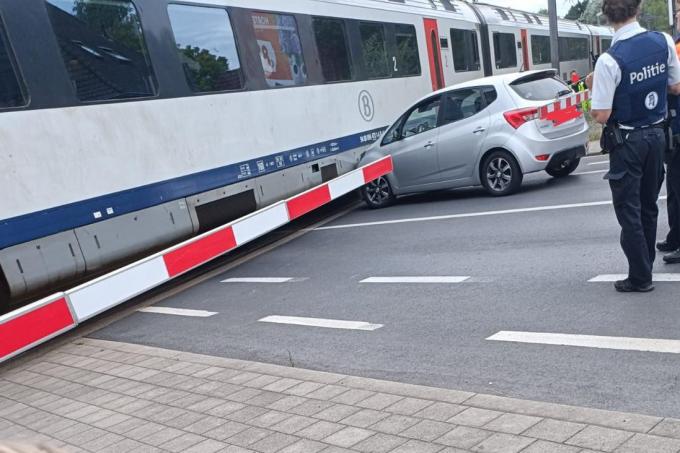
428, 145
478, 130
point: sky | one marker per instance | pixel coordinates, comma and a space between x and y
533, 5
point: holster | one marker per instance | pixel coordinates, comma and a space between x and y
611, 137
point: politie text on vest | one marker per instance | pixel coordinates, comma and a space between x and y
651, 70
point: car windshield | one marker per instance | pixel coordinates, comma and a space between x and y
540, 87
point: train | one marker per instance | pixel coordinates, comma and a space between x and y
131, 125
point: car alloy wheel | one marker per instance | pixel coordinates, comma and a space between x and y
499, 174
378, 193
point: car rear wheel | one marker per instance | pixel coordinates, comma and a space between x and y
565, 168
501, 174
378, 193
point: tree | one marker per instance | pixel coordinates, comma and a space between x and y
543, 11
576, 10
118, 22
206, 69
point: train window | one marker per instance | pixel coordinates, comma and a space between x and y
280, 49
407, 62
11, 88
207, 49
502, 13
538, 20
331, 41
103, 48
606, 44
505, 50
573, 49
465, 50
540, 49
374, 50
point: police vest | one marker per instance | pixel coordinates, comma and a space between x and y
639, 99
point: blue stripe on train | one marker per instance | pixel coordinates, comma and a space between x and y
27, 227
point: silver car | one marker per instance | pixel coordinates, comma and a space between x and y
482, 132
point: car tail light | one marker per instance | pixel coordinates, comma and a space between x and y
543, 157
520, 116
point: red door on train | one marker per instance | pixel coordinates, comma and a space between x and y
434, 53
525, 50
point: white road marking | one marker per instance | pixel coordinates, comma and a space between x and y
258, 280
427, 279
178, 312
602, 162
473, 214
592, 172
590, 341
319, 322
615, 277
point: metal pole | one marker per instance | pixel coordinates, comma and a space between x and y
554, 42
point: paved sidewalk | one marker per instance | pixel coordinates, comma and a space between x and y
102, 396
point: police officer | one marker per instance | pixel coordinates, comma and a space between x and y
672, 241
629, 89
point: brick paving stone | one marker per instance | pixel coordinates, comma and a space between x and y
268, 419
244, 395
643, 443
293, 424
395, 424
248, 437
164, 435
598, 438
236, 449
668, 427
261, 381
281, 385
337, 412
205, 405
125, 426
226, 408
266, 398
125, 445
304, 446
204, 424
207, 446
144, 431
428, 430
352, 396
334, 449
408, 406
274, 442
303, 388
348, 437
512, 423
554, 430
311, 407
181, 443
474, 417
287, 403
463, 437
226, 430
379, 401
327, 392
440, 411
246, 414
319, 430
379, 443
543, 446
417, 446
503, 443
102, 442
364, 418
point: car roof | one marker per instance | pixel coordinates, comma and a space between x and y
501, 79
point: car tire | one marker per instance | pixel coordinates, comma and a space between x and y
500, 174
566, 168
378, 193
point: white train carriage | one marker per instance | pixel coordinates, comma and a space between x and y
128, 125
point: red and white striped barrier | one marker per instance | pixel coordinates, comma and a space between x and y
565, 109
42, 320
33, 324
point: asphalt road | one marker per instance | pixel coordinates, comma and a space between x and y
529, 271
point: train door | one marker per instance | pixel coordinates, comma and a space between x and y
434, 53
525, 50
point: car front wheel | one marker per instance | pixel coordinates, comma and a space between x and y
378, 193
564, 169
501, 174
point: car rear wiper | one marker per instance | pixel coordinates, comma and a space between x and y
563, 93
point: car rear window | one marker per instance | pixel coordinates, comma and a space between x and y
540, 87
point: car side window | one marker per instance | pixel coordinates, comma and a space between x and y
463, 103
490, 95
422, 118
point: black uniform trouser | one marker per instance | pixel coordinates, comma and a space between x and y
635, 177
673, 202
